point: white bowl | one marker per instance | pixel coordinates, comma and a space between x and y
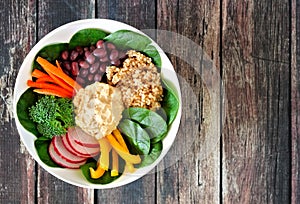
61, 35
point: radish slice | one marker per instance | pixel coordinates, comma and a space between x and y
62, 162
70, 149
61, 150
83, 138
79, 149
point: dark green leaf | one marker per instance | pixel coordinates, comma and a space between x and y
27, 99
52, 52
136, 136
125, 39
86, 37
170, 104
155, 151
41, 145
152, 122
152, 52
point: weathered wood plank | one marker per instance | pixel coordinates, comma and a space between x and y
52, 14
192, 174
140, 14
256, 74
295, 98
17, 175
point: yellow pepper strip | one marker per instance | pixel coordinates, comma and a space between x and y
105, 148
133, 159
115, 164
98, 173
120, 139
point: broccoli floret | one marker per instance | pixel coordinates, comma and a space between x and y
53, 115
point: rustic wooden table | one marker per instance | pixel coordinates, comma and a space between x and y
255, 48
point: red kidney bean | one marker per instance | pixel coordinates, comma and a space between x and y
99, 52
87, 54
65, 55
90, 77
113, 54
73, 55
67, 65
110, 46
122, 54
86, 49
104, 59
75, 69
102, 67
83, 72
100, 44
84, 64
92, 48
97, 77
115, 62
80, 80
94, 68
79, 50
91, 59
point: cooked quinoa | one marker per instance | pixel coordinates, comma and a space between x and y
138, 81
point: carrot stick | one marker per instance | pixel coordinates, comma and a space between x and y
58, 65
50, 68
52, 92
44, 85
45, 79
37, 73
61, 83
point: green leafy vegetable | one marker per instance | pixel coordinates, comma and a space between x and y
155, 151
53, 115
104, 179
152, 52
27, 99
41, 145
86, 37
136, 136
149, 120
170, 104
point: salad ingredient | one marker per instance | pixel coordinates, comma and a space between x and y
138, 81
38, 74
152, 122
82, 138
41, 145
45, 79
62, 83
98, 109
133, 159
115, 164
52, 115
95, 174
79, 149
127, 39
61, 150
155, 151
55, 90
136, 136
61, 161
104, 157
50, 68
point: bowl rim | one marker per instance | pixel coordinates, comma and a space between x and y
64, 33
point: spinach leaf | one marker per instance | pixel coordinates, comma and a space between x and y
155, 151
170, 104
152, 52
86, 37
126, 39
149, 120
41, 145
104, 179
27, 99
136, 136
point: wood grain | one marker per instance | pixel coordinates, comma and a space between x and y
49, 188
140, 14
256, 74
295, 105
17, 176
191, 175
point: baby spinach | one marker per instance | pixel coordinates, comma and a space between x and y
41, 145
27, 99
105, 178
86, 37
149, 120
126, 39
155, 151
136, 136
170, 104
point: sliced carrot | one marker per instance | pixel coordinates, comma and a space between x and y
133, 159
53, 92
46, 78
44, 85
37, 73
115, 164
58, 65
50, 68
61, 83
